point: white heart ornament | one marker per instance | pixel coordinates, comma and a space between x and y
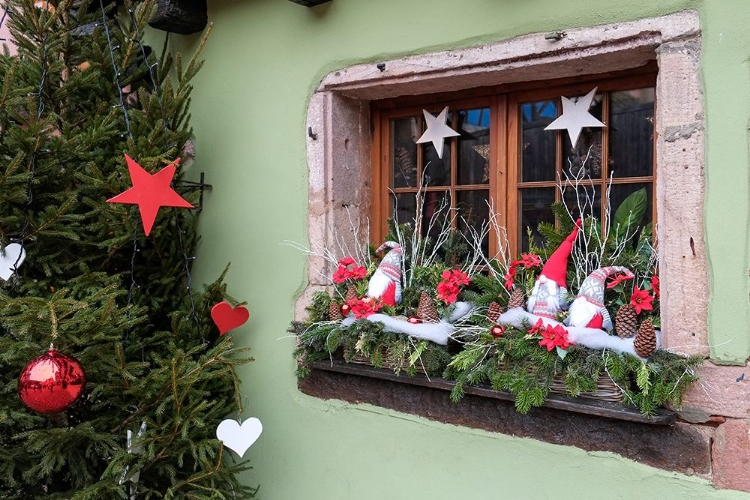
10, 260
239, 438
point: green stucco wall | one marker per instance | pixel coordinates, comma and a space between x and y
263, 60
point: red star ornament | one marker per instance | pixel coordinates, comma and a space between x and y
150, 192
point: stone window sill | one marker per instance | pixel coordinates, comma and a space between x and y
659, 441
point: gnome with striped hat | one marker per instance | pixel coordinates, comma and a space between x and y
548, 297
385, 283
587, 310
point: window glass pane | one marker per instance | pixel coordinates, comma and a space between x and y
473, 211
631, 135
474, 146
619, 192
404, 208
437, 171
537, 145
535, 208
584, 201
435, 208
585, 159
404, 152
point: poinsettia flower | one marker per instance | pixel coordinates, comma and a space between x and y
530, 260
358, 272
620, 278
641, 300
447, 292
348, 270
346, 261
555, 336
340, 275
655, 286
456, 276
510, 277
364, 307
535, 329
448, 289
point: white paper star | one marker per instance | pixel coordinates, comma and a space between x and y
575, 117
437, 130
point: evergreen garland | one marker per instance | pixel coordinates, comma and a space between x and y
512, 361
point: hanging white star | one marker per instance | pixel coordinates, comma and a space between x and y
437, 130
575, 117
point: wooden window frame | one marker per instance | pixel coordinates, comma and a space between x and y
504, 184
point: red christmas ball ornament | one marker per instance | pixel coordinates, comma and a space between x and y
497, 330
51, 383
414, 320
345, 309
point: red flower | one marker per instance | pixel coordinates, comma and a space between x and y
620, 278
348, 270
346, 262
447, 292
555, 336
340, 275
530, 260
448, 289
538, 326
655, 286
641, 300
456, 276
510, 277
364, 307
357, 273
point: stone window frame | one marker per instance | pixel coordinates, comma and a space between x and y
340, 136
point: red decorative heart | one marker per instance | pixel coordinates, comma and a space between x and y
227, 318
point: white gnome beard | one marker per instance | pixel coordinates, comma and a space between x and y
546, 291
581, 312
378, 284
531, 302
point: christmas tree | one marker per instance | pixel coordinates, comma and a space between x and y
79, 273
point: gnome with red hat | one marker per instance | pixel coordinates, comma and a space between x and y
385, 283
548, 297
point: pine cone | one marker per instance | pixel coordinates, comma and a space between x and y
351, 293
427, 310
334, 311
645, 340
626, 321
494, 311
517, 299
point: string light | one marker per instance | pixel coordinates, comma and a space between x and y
37, 150
187, 260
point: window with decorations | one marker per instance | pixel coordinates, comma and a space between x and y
484, 221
